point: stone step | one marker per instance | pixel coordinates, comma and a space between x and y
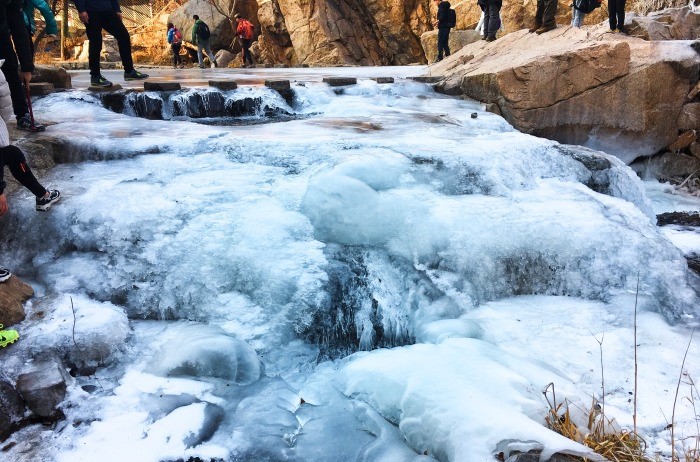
340, 81
161, 86
41, 88
224, 85
115, 87
279, 85
383, 79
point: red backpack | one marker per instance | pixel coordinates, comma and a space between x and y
245, 29
177, 36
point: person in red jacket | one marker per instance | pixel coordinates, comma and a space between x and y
244, 31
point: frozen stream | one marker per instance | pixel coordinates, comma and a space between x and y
386, 278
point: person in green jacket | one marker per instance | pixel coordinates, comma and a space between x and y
200, 37
28, 7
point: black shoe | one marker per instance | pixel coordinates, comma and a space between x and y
533, 29
25, 123
491, 39
621, 29
135, 75
100, 81
44, 203
4, 274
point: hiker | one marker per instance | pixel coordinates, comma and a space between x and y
616, 15
175, 41
244, 31
576, 14
443, 26
545, 16
492, 17
107, 15
28, 8
13, 30
200, 37
13, 157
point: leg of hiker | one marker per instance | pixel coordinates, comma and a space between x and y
13, 157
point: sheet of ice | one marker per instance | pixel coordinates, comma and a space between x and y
387, 216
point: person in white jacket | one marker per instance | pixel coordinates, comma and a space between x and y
14, 158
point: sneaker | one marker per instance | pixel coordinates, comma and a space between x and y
544, 29
201, 66
7, 336
135, 75
100, 81
621, 29
491, 39
4, 274
534, 29
25, 123
44, 203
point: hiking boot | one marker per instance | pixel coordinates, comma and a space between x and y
534, 29
135, 75
100, 81
544, 29
44, 203
25, 123
7, 336
4, 274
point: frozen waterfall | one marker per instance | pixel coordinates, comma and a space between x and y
369, 274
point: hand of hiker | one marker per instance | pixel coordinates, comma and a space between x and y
84, 17
3, 205
26, 77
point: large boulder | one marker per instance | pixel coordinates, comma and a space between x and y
12, 409
13, 293
619, 94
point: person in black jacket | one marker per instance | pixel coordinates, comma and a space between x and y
443, 26
107, 15
14, 32
492, 18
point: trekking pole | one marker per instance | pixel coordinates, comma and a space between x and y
29, 103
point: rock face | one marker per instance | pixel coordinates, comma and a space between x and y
619, 94
13, 293
292, 32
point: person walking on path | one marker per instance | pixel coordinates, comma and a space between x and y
200, 37
175, 41
616, 15
28, 8
443, 25
492, 17
14, 31
545, 16
13, 157
106, 14
244, 31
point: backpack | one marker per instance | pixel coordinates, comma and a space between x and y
586, 6
452, 18
177, 36
203, 31
247, 30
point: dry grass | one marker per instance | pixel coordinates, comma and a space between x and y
615, 445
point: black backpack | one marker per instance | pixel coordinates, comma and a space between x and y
452, 18
203, 31
586, 6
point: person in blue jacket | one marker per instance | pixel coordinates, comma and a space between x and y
28, 8
107, 15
